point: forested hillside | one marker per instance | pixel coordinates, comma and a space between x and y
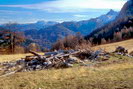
119, 29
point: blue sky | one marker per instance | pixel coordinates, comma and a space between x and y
29, 11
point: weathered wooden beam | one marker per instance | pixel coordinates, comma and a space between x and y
40, 57
34, 53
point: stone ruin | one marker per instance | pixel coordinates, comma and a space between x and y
56, 59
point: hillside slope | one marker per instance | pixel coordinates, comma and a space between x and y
128, 44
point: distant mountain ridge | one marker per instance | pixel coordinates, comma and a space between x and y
47, 36
87, 26
36, 26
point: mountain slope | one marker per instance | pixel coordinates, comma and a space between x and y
119, 29
87, 26
127, 10
45, 37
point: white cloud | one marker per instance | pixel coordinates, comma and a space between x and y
73, 5
80, 16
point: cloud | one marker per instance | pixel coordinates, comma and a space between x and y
80, 16
72, 5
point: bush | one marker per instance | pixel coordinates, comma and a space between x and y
71, 42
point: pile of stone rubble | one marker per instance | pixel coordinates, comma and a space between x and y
56, 59
59, 59
123, 51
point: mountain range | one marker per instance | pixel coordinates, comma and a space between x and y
87, 26
29, 26
48, 35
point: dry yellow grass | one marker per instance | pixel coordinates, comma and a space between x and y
128, 44
13, 57
119, 76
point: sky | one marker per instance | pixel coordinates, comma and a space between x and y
30, 11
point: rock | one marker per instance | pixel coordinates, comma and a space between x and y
121, 50
33, 62
84, 54
21, 62
38, 67
51, 53
67, 65
46, 64
72, 60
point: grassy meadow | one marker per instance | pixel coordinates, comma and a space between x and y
118, 76
116, 73
128, 44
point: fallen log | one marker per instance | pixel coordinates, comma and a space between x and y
29, 58
34, 53
40, 57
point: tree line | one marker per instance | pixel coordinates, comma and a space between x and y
118, 30
13, 41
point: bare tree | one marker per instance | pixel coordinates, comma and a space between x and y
11, 36
103, 41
